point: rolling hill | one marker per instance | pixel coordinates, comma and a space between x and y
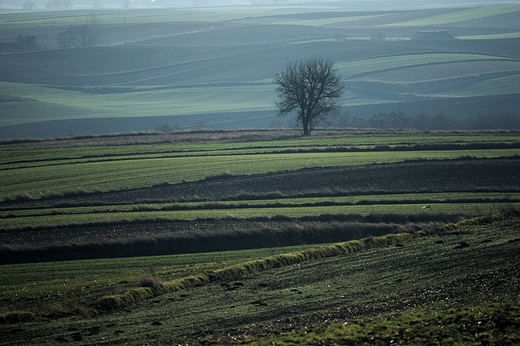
212, 67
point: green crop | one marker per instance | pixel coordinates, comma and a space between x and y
57, 217
462, 15
127, 174
355, 67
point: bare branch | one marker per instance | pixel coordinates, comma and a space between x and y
311, 88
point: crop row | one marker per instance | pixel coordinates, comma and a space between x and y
64, 218
128, 174
16, 158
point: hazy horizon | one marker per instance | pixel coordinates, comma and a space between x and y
351, 5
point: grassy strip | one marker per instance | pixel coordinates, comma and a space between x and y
41, 222
395, 199
16, 159
129, 174
459, 15
394, 213
254, 266
92, 146
16, 317
292, 232
507, 213
135, 295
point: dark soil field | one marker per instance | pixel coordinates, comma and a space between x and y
432, 290
422, 278
463, 175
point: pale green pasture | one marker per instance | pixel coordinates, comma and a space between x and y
177, 101
461, 15
118, 175
449, 70
187, 100
355, 67
75, 104
327, 21
492, 86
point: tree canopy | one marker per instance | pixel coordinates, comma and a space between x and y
311, 88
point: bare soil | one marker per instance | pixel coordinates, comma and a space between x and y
434, 273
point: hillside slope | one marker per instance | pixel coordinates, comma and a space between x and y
210, 68
439, 279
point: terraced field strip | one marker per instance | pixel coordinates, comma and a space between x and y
460, 16
29, 157
494, 85
368, 199
490, 36
327, 21
118, 175
353, 68
448, 70
57, 219
44, 19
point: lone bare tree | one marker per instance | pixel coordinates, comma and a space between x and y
312, 88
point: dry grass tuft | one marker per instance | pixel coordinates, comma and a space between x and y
153, 282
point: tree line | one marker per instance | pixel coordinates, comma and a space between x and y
80, 35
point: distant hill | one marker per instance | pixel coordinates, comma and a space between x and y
212, 68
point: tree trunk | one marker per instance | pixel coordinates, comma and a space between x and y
306, 130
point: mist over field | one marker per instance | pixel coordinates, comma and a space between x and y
363, 5
78, 68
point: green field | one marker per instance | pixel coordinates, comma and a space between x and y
167, 204
98, 230
422, 289
213, 67
42, 172
38, 172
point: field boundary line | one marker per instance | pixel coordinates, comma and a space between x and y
135, 295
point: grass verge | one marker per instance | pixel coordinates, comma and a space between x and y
254, 266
